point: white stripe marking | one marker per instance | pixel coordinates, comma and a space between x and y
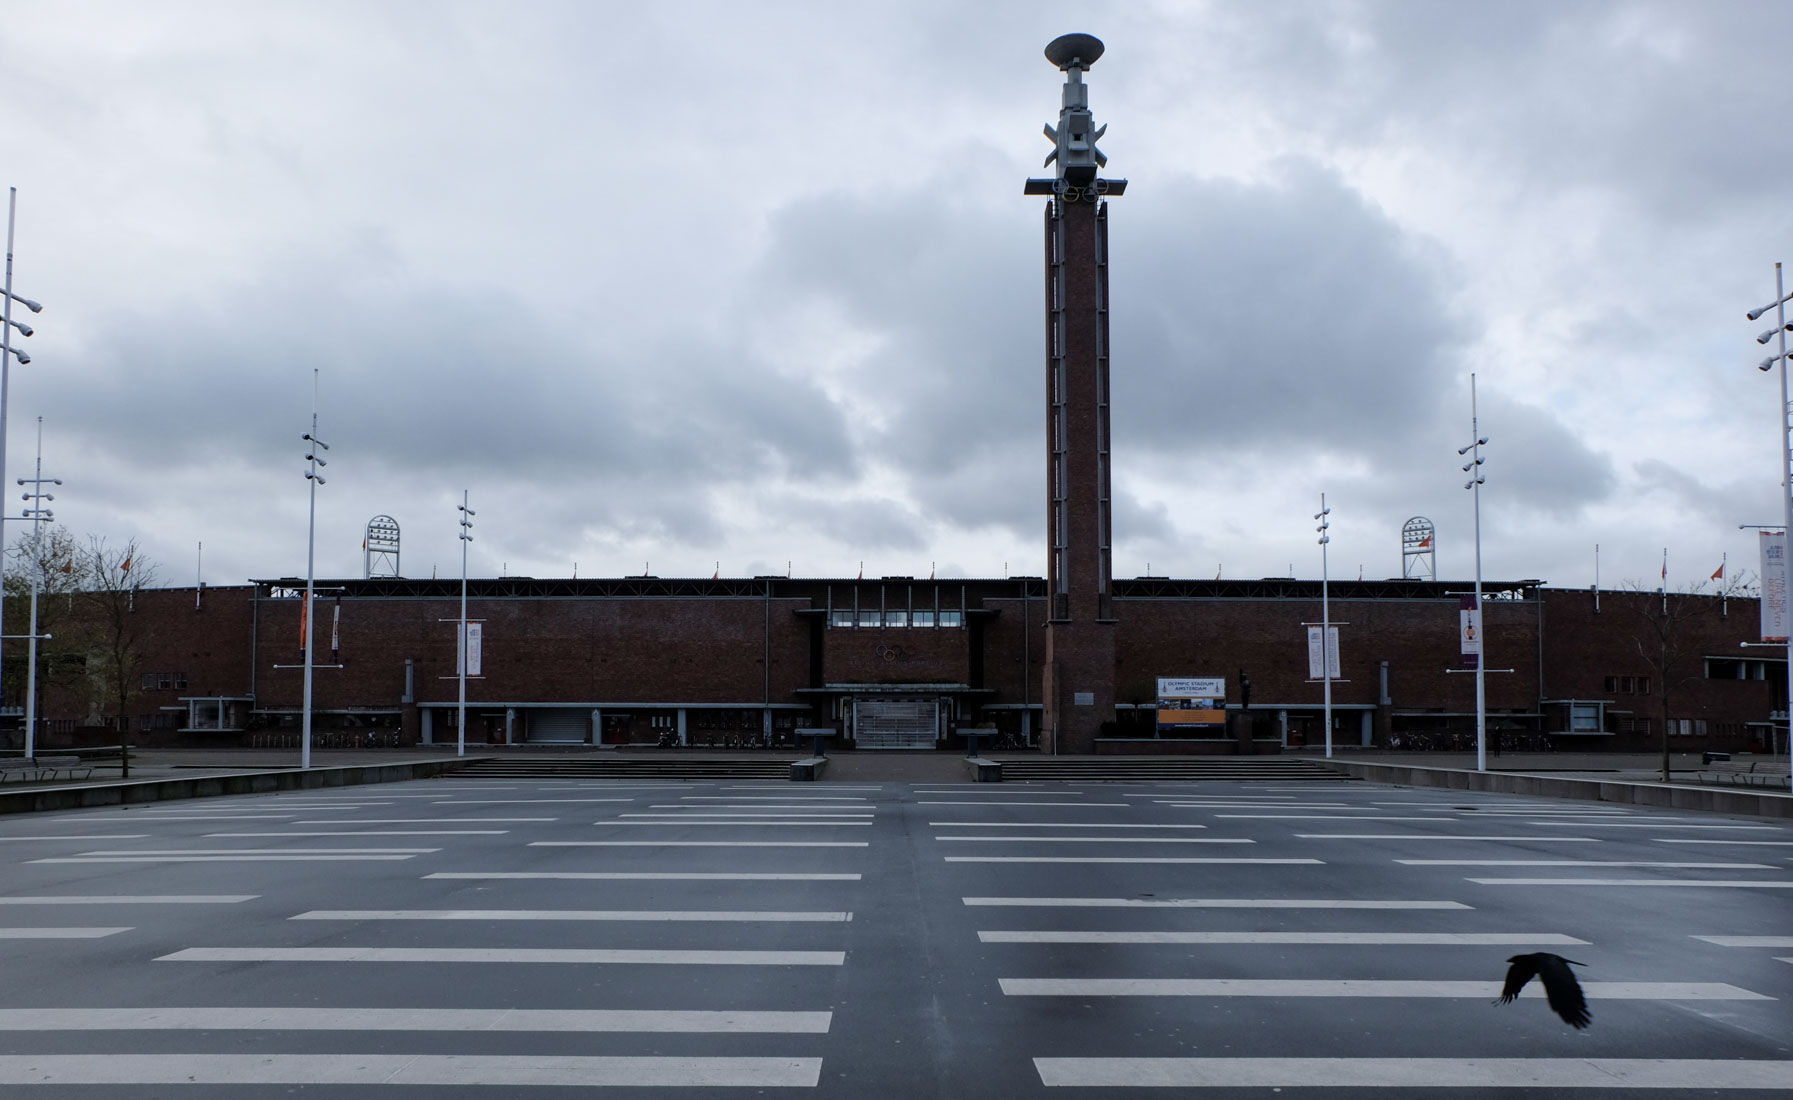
158, 819
748, 815
699, 843
1102, 839
218, 859
1320, 817
90, 836
1214, 903
508, 1072
995, 802
412, 1019
1651, 825
1422, 1073
742, 824
580, 915
1574, 863
618, 956
1748, 941
250, 851
1121, 859
1049, 825
758, 797
132, 899
1727, 843
750, 809
693, 876
518, 801
1737, 883
1356, 987
58, 933
429, 821
1356, 939
1440, 836
374, 832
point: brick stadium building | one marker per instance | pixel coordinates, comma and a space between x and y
904, 663
1068, 662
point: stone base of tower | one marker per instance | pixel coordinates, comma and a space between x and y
1077, 688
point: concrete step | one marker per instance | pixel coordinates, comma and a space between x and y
626, 768
1087, 769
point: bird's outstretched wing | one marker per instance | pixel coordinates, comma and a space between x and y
1521, 970
1562, 990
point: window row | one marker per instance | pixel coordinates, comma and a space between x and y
874, 619
164, 681
1627, 685
1687, 727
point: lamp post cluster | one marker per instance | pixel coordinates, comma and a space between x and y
7, 354
312, 462
465, 654
1779, 306
1323, 515
1474, 469
38, 515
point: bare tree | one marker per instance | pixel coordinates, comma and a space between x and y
117, 637
1668, 638
55, 560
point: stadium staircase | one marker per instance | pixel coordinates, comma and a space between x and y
626, 767
1145, 769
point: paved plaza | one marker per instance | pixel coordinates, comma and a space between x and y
857, 938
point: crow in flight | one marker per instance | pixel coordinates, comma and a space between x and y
1560, 987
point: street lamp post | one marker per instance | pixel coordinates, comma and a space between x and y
7, 354
313, 446
460, 717
38, 515
1779, 305
1474, 469
1325, 621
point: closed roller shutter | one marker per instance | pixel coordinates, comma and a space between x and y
560, 725
895, 723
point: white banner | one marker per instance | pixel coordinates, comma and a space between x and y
469, 654
1469, 627
1331, 652
1774, 586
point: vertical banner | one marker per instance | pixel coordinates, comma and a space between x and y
336, 633
304, 622
1774, 586
1469, 631
468, 657
1323, 662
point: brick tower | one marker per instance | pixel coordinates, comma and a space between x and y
1078, 684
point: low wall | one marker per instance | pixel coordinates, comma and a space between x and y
128, 791
1742, 801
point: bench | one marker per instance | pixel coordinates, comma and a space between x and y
1762, 773
42, 767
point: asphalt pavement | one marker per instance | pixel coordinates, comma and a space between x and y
505, 938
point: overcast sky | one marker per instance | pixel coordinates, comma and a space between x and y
681, 286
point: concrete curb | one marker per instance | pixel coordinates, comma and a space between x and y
1710, 799
984, 771
125, 792
808, 769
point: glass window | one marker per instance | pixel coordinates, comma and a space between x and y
841, 618
896, 618
1584, 717
868, 618
952, 618
922, 618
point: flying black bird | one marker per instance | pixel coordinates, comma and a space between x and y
1560, 987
